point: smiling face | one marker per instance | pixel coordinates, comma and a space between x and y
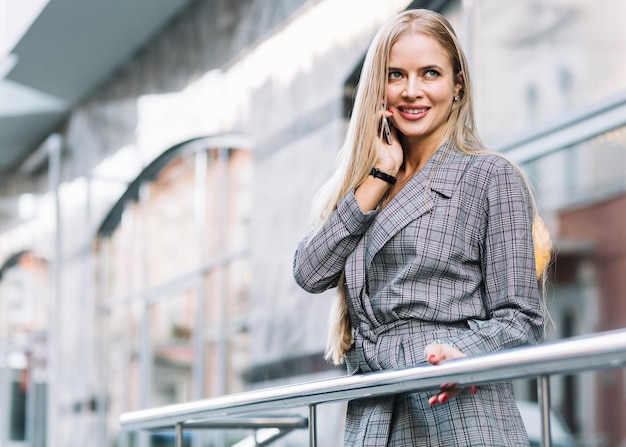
421, 86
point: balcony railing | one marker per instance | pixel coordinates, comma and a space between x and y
598, 351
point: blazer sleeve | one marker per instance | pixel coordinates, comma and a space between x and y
321, 256
512, 300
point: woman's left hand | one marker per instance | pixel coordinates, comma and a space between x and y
436, 353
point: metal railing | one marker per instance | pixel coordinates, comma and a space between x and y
598, 351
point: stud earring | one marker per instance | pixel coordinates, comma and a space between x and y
457, 97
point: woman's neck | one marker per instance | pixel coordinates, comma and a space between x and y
417, 154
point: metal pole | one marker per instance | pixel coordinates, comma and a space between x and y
199, 331
145, 340
599, 351
102, 328
543, 392
222, 277
127, 228
222, 200
179, 434
200, 207
55, 145
313, 425
87, 345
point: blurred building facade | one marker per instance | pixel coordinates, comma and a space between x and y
147, 234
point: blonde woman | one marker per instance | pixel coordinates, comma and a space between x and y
429, 239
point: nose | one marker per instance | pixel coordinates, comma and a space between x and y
412, 88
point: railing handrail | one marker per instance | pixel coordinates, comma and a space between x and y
597, 351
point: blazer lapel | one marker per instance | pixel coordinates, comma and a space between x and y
441, 174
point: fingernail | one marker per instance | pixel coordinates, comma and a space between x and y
390, 111
432, 401
443, 399
473, 389
431, 357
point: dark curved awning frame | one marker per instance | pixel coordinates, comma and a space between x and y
152, 170
12, 261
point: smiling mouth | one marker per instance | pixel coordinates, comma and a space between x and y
413, 111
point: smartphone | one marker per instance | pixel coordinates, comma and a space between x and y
386, 130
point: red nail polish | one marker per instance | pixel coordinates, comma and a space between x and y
431, 357
443, 399
390, 111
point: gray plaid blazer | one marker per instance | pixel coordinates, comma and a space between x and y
450, 257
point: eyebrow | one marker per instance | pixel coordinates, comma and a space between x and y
432, 67
425, 68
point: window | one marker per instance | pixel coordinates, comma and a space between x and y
173, 280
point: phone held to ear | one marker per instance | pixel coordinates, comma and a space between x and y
386, 130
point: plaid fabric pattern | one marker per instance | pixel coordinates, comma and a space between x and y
450, 257
489, 418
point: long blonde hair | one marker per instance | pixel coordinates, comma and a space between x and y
358, 153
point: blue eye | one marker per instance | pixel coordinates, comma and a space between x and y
431, 73
395, 75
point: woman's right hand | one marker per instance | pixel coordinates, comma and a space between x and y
390, 156
371, 192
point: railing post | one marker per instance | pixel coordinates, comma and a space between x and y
543, 393
179, 434
313, 425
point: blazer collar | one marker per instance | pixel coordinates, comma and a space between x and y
446, 170
441, 173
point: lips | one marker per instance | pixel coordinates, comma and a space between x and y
413, 113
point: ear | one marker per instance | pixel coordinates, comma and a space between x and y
459, 85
